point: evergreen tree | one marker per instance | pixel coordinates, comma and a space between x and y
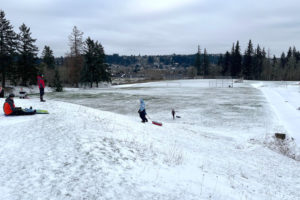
294, 52
89, 68
105, 73
248, 62
290, 53
205, 63
266, 66
275, 68
290, 69
274, 61
102, 70
236, 67
220, 63
232, 56
220, 60
27, 56
94, 69
48, 58
257, 69
198, 62
282, 60
8, 44
57, 82
233, 49
226, 64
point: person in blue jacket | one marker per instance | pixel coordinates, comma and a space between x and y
142, 111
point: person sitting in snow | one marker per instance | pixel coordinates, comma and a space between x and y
142, 111
10, 109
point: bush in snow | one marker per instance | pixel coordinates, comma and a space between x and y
287, 147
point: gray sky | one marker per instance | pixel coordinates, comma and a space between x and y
158, 27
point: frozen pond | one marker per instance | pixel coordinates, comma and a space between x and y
239, 110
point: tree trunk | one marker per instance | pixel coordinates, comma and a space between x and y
3, 77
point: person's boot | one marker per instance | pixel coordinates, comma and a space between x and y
42, 100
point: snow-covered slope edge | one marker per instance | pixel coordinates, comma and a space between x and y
77, 152
284, 102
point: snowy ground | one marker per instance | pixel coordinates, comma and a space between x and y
221, 147
285, 101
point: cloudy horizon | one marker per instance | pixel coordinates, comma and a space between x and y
156, 27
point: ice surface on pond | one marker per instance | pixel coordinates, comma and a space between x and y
239, 110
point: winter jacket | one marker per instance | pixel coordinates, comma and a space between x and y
41, 82
8, 106
142, 105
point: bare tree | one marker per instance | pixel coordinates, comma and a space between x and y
76, 42
75, 61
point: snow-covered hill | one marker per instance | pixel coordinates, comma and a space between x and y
77, 152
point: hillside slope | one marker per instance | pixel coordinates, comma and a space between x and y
77, 152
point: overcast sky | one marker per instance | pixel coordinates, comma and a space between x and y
158, 27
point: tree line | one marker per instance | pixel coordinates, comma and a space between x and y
20, 64
254, 64
174, 60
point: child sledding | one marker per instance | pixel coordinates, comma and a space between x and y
142, 112
10, 109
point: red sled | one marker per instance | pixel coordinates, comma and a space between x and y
157, 123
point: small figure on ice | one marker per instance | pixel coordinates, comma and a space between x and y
142, 111
173, 113
10, 109
41, 85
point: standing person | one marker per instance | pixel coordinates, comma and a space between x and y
41, 85
173, 113
142, 111
10, 109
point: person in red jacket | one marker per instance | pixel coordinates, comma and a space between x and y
41, 85
9, 108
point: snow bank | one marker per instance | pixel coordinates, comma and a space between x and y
284, 100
